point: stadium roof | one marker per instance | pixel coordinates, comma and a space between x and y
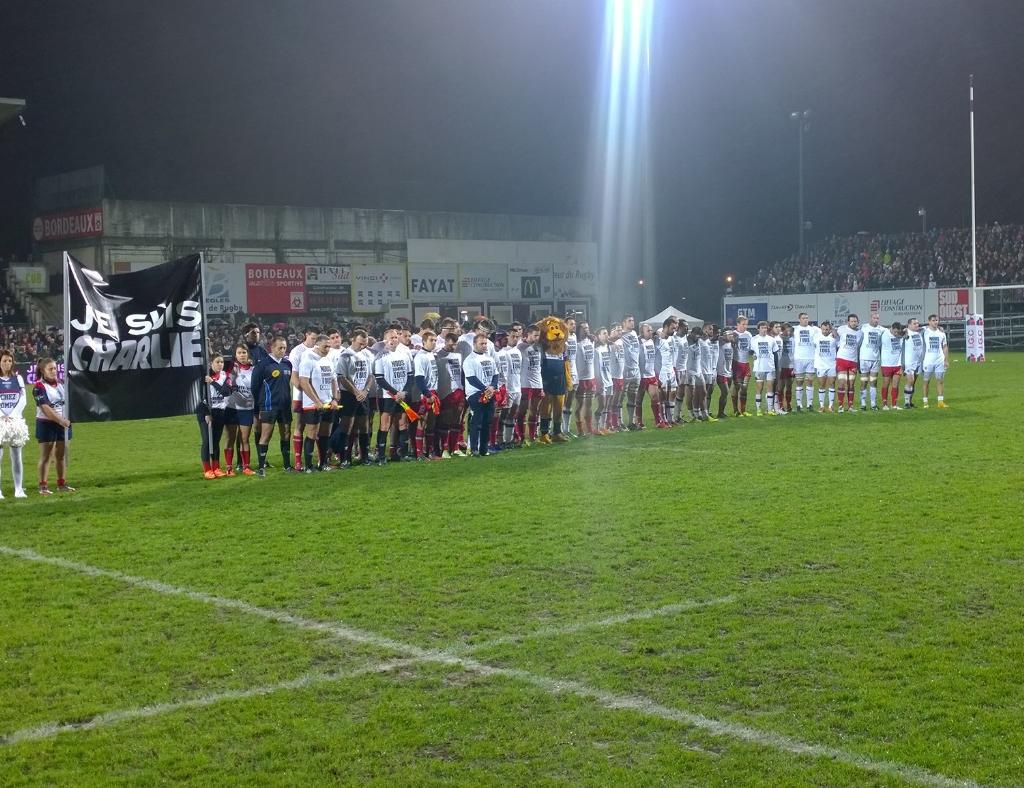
9, 108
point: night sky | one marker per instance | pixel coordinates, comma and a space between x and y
478, 105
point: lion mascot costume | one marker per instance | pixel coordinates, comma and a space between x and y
555, 374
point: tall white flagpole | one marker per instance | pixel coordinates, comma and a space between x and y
974, 218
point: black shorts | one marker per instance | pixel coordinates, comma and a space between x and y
276, 416
312, 417
387, 405
241, 417
350, 406
50, 431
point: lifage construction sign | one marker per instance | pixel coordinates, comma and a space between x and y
134, 346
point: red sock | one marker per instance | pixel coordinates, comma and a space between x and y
61, 481
533, 429
207, 466
229, 455
494, 430
840, 397
216, 464
297, 448
895, 392
453, 440
245, 458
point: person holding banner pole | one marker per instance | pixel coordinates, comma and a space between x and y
13, 430
53, 430
211, 413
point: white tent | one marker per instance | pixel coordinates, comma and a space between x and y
671, 311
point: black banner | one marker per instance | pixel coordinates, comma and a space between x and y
135, 344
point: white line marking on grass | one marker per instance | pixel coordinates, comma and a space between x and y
601, 623
609, 700
337, 630
51, 729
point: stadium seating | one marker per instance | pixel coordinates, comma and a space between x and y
868, 261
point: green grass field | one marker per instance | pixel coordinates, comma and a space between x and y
808, 600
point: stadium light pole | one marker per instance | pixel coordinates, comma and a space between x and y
923, 213
802, 119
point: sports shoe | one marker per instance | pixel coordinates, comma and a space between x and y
45, 491
924, 405
722, 415
525, 444
324, 467
746, 415
942, 405
209, 475
909, 405
758, 413
771, 413
896, 407
459, 453
828, 410
494, 448
229, 472
446, 455
20, 493
884, 407
289, 469
382, 460
247, 471
311, 469
712, 419
65, 488
863, 407
407, 458
544, 439
219, 473
261, 473
559, 438
874, 407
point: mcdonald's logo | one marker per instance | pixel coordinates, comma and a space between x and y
530, 286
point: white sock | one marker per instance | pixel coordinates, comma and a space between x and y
771, 402
941, 398
924, 400
17, 468
810, 395
863, 394
821, 398
757, 402
907, 394
799, 395
831, 397
874, 396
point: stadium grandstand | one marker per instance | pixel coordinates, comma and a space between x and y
875, 261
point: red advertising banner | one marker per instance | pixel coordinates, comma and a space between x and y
954, 304
275, 288
68, 225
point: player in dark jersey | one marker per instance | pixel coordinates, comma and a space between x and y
271, 389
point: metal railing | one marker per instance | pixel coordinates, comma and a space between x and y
1002, 333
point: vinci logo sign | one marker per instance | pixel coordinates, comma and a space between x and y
954, 304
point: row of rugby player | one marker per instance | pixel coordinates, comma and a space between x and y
324, 394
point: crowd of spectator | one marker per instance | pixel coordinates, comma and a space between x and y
938, 258
30, 344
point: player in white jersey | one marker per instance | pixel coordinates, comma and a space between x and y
424, 368
617, 358
355, 378
803, 361
453, 397
723, 373
679, 364
588, 373
848, 338
391, 371
603, 364
913, 359
648, 360
13, 429
695, 375
532, 384
891, 362
571, 349
870, 361
825, 347
310, 333
775, 330
936, 360
319, 384
666, 347
763, 347
708, 364
510, 365
631, 368
741, 367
